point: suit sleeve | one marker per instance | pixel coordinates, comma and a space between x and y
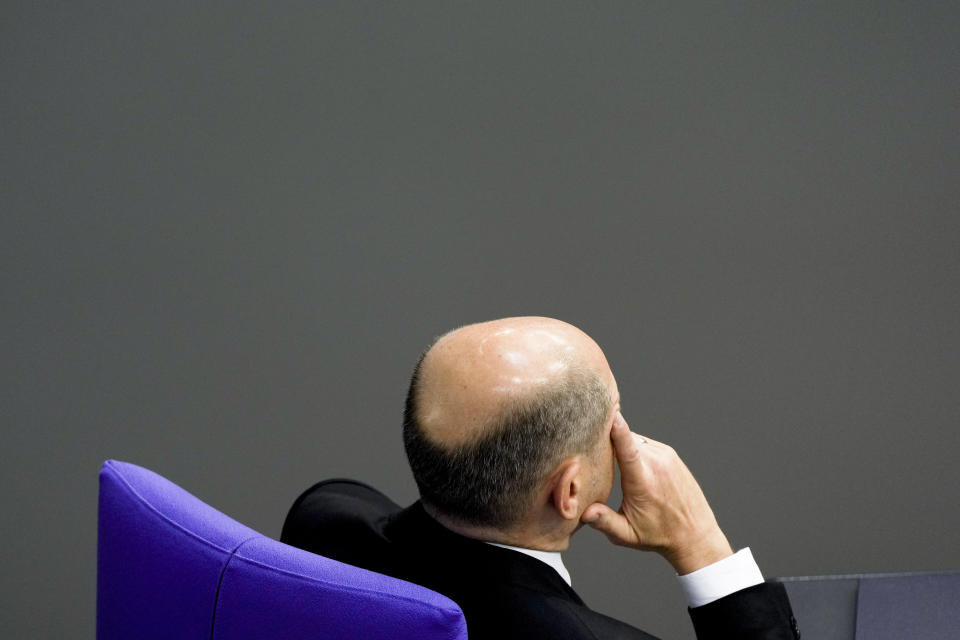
761, 612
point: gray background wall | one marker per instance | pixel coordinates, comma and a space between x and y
229, 229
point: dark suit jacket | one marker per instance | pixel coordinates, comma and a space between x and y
503, 593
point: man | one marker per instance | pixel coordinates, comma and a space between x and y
513, 430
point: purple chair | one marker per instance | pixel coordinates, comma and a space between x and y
171, 566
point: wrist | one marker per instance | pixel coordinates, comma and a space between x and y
699, 553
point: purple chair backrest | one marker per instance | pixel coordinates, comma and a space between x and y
171, 566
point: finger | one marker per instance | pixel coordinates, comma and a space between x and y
622, 438
641, 439
650, 441
626, 444
610, 523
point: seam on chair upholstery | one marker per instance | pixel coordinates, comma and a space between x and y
169, 520
223, 571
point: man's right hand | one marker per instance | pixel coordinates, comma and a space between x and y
663, 509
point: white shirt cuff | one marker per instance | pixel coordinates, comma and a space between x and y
721, 578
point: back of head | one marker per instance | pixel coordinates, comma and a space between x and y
493, 407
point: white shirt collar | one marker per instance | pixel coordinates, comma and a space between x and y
551, 558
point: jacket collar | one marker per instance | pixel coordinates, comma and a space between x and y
433, 551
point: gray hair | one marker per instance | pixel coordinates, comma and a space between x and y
492, 480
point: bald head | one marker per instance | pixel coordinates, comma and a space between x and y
473, 373
492, 406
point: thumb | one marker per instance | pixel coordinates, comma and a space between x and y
610, 523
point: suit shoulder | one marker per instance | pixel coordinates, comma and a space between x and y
338, 518
524, 613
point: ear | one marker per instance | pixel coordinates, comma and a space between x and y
567, 489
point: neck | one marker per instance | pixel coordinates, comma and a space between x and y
526, 535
